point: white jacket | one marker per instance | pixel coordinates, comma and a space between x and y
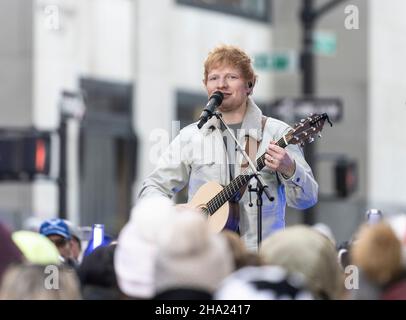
198, 156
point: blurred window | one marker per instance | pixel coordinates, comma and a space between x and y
251, 9
108, 147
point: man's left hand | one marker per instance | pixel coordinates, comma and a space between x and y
277, 159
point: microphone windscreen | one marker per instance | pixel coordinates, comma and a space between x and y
218, 96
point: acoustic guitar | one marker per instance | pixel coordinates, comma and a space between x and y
214, 200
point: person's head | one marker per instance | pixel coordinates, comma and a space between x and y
76, 247
242, 257
137, 246
190, 256
30, 282
228, 69
36, 248
305, 250
97, 274
75, 240
58, 232
9, 252
378, 253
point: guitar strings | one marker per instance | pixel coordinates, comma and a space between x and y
217, 201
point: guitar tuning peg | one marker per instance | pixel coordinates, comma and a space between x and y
310, 140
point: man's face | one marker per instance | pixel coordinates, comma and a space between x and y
231, 83
62, 244
75, 248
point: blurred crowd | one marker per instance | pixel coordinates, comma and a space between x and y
167, 252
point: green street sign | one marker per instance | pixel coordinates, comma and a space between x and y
325, 43
278, 61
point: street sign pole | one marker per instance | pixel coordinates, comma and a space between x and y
308, 81
308, 18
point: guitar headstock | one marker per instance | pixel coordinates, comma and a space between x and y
304, 131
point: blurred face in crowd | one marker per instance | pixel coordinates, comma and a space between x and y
230, 81
62, 244
75, 248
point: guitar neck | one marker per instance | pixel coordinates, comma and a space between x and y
237, 183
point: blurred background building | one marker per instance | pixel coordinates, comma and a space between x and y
85, 86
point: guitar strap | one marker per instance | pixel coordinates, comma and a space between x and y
251, 148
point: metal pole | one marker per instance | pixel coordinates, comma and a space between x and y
308, 17
308, 82
62, 171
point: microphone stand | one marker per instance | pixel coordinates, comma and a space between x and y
261, 188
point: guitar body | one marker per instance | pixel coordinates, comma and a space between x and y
226, 217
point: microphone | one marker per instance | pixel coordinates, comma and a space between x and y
215, 100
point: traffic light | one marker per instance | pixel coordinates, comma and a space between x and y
25, 154
345, 177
